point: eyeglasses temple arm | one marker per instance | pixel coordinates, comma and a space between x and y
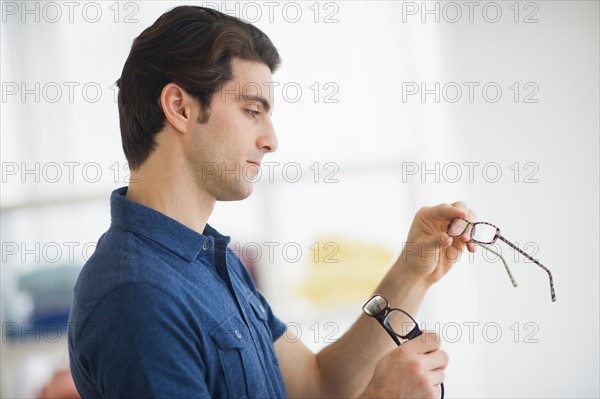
512, 279
519, 250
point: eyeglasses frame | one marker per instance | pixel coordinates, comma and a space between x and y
497, 236
383, 318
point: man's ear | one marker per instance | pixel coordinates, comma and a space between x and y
176, 104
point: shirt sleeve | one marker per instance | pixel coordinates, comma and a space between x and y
137, 343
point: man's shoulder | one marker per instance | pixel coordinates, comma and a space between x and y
121, 258
116, 258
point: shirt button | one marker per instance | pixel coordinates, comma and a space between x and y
206, 245
238, 334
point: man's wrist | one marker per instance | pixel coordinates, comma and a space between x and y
404, 287
411, 275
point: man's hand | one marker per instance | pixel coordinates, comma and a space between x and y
363, 356
429, 252
413, 370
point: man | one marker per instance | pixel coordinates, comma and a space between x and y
163, 308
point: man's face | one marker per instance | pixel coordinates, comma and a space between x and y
225, 153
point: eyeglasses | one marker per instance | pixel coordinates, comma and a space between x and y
398, 324
483, 234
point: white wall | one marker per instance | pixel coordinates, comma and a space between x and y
374, 137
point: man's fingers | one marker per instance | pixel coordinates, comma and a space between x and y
446, 212
440, 240
431, 341
456, 209
423, 344
437, 377
460, 205
436, 360
472, 215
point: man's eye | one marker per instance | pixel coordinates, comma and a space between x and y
253, 112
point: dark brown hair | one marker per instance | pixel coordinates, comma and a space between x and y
192, 47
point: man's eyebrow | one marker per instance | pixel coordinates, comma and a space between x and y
260, 99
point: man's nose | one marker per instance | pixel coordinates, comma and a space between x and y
268, 139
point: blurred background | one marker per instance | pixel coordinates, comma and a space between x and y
381, 108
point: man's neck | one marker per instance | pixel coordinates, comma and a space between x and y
171, 192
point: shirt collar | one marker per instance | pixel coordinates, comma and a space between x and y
160, 228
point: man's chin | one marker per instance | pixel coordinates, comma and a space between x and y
237, 195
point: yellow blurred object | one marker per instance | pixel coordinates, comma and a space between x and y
343, 271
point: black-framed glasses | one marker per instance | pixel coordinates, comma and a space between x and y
399, 325
484, 234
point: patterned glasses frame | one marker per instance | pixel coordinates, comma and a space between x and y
455, 229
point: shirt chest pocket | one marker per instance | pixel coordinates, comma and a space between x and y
240, 367
264, 328
259, 310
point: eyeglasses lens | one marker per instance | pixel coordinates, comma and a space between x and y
457, 227
375, 305
484, 233
400, 322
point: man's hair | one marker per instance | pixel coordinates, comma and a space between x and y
192, 47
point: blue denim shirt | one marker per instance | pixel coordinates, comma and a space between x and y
162, 311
